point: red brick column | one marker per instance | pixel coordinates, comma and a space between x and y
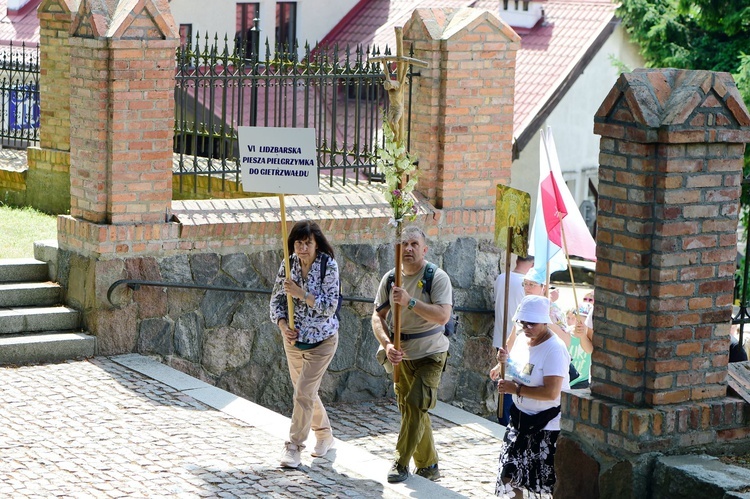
122, 115
121, 126
462, 115
55, 17
669, 184
48, 182
671, 163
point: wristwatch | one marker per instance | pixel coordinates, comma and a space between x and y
412, 303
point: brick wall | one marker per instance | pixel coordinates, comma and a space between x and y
89, 124
462, 123
141, 129
55, 18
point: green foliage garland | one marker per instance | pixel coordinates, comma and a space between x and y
396, 163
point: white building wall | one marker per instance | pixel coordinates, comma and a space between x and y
315, 18
572, 123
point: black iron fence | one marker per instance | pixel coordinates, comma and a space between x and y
336, 92
19, 96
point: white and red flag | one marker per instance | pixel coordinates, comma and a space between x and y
556, 213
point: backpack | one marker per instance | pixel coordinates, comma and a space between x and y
429, 274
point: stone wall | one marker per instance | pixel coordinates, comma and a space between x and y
227, 339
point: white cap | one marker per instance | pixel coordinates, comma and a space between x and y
534, 309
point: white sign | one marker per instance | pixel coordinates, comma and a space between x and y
278, 160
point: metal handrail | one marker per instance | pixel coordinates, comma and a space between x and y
136, 284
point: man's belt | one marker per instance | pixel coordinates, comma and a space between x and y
407, 337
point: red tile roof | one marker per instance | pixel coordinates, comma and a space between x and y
552, 53
373, 21
20, 28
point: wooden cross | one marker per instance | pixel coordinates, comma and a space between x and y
395, 119
395, 87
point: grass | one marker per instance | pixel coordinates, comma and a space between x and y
20, 227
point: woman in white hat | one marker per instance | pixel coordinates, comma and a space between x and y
536, 373
533, 284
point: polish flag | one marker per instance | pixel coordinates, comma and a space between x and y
556, 212
553, 208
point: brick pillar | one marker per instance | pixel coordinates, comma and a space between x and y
671, 164
121, 127
122, 114
669, 185
48, 177
462, 113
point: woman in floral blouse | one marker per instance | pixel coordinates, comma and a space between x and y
310, 346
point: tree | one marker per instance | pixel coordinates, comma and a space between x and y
696, 34
689, 34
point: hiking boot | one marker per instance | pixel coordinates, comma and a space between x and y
430, 472
322, 446
291, 457
398, 473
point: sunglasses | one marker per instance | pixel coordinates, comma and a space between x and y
527, 325
588, 300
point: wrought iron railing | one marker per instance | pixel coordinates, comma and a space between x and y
337, 92
135, 284
19, 96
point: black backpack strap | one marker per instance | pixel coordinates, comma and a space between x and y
429, 273
388, 287
323, 268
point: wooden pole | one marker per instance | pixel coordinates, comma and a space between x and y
399, 136
289, 299
570, 268
396, 306
505, 317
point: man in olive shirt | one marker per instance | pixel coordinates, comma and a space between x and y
423, 353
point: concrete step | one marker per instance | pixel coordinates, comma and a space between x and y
19, 294
53, 346
23, 270
17, 320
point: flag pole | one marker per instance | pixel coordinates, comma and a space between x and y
500, 408
570, 269
289, 300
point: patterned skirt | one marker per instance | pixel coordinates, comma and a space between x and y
527, 462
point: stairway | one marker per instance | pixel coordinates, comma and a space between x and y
34, 326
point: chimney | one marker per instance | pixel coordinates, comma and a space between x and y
524, 14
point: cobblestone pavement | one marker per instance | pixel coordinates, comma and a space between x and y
468, 455
97, 428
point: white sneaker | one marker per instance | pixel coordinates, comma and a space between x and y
322, 446
291, 457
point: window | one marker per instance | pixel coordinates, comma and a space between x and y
286, 25
246, 38
186, 34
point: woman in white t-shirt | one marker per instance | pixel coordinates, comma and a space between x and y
536, 373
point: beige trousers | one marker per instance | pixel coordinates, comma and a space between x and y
306, 368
